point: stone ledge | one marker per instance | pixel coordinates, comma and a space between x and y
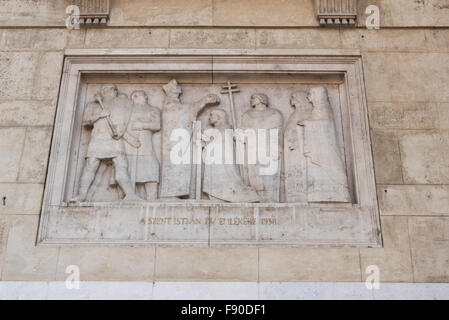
221, 291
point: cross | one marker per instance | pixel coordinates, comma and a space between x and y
230, 88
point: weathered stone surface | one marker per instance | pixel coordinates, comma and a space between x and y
403, 115
403, 13
393, 76
48, 76
17, 74
11, 145
33, 165
213, 38
27, 113
437, 39
429, 240
161, 12
297, 38
40, 39
329, 265
384, 39
387, 158
379, 76
394, 260
419, 74
20, 198
23, 261
221, 264
443, 115
264, 13
414, 200
3, 239
33, 13
127, 38
223, 13
425, 157
108, 264
181, 226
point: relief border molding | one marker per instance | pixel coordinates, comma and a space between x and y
349, 65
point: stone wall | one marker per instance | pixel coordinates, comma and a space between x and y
406, 70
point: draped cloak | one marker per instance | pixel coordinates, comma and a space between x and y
326, 172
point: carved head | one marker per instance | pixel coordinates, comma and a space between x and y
172, 89
139, 97
298, 99
218, 117
318, 96
109, 91
259, 98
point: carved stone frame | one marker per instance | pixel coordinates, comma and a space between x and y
364, 225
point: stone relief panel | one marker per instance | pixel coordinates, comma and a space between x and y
126, 145
196, 158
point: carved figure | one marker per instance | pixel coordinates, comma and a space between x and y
176, 178
144, 165
109, 118
222, 181
294, 159
263, 117
326, 173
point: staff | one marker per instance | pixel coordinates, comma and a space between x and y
135, 142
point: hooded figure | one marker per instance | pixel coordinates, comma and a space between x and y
294, 159
326, 171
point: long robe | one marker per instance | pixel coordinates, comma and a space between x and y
326, 172
143, 162
224, 182
176, 178
267, 186
294, 160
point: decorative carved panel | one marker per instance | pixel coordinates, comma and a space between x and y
337, 12
121, 171
93, 11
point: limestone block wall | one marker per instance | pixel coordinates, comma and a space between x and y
406, 70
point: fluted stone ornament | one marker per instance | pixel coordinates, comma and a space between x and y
336, 13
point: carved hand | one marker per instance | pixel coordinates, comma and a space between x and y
104, 113
211, 99
138, 126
